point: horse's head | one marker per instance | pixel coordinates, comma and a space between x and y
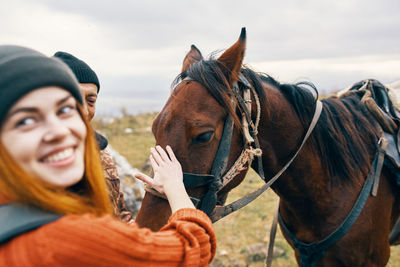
192, 123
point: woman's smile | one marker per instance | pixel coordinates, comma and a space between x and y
62, 158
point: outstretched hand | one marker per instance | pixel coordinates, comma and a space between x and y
168, 178
167, 170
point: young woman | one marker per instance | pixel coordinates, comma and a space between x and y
45, 147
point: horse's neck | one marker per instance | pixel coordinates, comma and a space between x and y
281, 133
304, 187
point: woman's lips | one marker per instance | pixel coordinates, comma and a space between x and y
61, 158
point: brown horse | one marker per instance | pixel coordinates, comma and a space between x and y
321, 186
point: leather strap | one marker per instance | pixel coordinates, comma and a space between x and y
311, 253
16, 220
222, 211
272, 234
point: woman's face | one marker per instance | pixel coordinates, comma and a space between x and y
44, 133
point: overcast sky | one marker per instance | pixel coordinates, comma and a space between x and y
137, 47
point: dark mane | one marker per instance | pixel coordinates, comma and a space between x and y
344, 137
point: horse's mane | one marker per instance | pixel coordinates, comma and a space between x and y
344, 137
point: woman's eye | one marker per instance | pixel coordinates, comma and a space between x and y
203, 137
66, 110
26, 121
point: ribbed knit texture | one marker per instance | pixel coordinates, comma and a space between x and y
23, 70
187, 240
82, 71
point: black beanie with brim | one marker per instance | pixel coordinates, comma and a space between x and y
23, 70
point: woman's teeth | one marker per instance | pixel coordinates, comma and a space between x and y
60, 155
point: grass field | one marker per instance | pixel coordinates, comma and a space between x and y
236, 232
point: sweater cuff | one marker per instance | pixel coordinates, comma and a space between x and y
189, 214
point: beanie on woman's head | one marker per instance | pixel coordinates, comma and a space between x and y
23, 70
82, 71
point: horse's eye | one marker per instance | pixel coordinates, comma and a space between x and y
203, 137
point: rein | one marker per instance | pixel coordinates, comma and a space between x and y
217, 180
221, 212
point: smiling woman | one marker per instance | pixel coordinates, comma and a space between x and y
53, 197
47, 140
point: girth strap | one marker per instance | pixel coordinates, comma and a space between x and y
311, 253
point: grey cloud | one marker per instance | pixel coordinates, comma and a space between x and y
277, 29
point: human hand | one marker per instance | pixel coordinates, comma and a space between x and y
167, 171
168, 178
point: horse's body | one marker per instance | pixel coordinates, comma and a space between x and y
319, 188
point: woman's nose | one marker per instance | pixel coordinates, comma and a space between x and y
56, 129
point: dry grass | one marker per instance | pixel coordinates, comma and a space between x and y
235, 232
134, 146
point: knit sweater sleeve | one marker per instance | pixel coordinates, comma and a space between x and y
187, 240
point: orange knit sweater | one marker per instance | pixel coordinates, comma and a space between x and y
187, 240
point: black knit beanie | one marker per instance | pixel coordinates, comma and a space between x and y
23, 70
82, 71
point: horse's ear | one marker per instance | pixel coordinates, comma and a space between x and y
192, 56
233, 57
